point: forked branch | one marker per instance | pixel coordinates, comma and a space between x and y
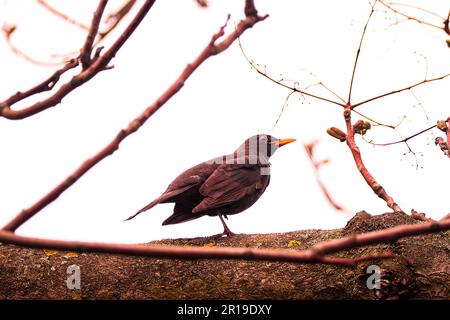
100, 64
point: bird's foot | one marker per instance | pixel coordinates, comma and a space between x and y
226, 232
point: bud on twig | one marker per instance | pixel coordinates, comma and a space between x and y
361, 127
442, 125
8, 29
337, 133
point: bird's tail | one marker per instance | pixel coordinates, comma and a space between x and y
149, 206
180, 217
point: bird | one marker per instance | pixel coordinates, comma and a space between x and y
222, 186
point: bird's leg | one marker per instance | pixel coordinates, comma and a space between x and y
226, 231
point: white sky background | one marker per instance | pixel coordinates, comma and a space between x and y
222, 104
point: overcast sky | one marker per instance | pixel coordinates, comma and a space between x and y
223, 103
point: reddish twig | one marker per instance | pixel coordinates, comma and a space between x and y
409, 17
402, 140
214, 47
373, 184
358, 52
316, 166
46, 85
86, 50
99, 65
400, 90
63, 16
381, 236
294, 88
114, 18
315, 254
448, 133
8, 31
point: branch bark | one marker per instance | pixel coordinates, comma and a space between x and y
86, 50
316, 254
373, 184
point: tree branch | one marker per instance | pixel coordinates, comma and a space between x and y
408, 17
46, 85
403, 140
61, 15
358, 52
400, 90
294, 88
100, 64
315, 254
211, 49
373, 184
316, 166
86, 50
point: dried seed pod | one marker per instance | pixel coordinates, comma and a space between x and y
337, 133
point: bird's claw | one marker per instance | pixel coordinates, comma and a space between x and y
227, 232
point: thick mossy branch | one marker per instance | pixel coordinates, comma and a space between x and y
35, 274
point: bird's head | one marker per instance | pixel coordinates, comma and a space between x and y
262, 146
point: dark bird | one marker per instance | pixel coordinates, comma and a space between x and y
222, 186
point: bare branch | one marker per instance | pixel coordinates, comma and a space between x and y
400, 90
294, 88
8, 31
46, 85
402, 140
214, 47
408, 17
375, 122
359, 51
99, 65
370, 180
62, 15
381, 236
315, 254
316, 166
114, 19
86, 50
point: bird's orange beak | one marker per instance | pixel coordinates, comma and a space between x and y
282, 142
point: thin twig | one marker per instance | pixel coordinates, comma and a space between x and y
20, 53
46, 85
402, 140
316, 166
358, 52
86, 50
410, 17
62, 15
282, 109
264, 74
374, 121
400, 90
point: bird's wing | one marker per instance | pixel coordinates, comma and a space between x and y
229, 183
177, 187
